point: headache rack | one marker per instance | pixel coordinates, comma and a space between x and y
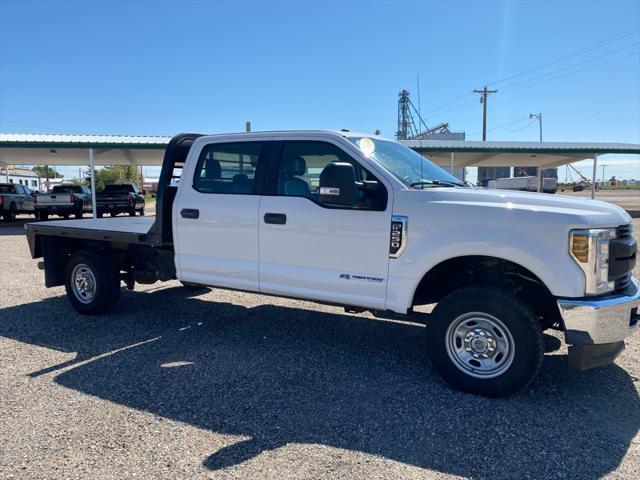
175, 156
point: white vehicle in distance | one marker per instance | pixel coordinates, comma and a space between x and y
524, 184
360, 221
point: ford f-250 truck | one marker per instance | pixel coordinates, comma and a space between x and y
366, 223
14, 199
64, 200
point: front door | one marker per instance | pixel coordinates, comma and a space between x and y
216, 217
313, 250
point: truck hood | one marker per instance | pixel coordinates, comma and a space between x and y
586, 211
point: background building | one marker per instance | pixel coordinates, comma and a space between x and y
21, 176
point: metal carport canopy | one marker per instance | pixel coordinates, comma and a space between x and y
47, 149
510, 154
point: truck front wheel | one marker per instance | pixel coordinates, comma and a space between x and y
92, 282
485, 340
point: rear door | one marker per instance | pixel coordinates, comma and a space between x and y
313, 250
215, 214
27, 199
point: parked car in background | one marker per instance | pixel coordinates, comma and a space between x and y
119, 198
63, 200
15, 199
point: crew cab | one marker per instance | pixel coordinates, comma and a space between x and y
64, 200
15, 199
119, 198
363, 222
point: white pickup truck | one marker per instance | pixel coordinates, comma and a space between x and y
366, 223
64, 200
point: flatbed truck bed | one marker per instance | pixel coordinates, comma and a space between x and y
118, 229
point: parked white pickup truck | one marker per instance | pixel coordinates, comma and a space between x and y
64, 200
364, 222
15, 199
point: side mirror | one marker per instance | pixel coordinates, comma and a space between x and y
338, 184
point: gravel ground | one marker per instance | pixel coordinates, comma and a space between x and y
230, 385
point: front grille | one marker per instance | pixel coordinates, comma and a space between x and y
622, 257
624, 231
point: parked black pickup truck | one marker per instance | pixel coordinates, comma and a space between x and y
119, 198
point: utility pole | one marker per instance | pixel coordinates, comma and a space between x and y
603, 179
483, 100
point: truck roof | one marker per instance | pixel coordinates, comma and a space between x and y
293, 133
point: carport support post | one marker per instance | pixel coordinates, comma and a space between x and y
539, 189
453, 159
92, 171
593, 179
6, 173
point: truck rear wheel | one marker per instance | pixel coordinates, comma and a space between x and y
485, 340
10, 213
92, 282
43, 215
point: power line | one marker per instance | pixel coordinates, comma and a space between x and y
580, 51
508, 90
442, 108
502, 126
571, 66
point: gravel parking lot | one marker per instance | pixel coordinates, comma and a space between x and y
230, 385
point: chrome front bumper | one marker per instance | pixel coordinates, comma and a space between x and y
602, 320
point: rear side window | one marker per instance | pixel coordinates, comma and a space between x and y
119, 188
66, 189
228, 168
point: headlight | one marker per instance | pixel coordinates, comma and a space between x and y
590, 250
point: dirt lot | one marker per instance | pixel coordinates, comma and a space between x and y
230, 385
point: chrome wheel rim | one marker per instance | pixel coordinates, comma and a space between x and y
480, 345
83, 283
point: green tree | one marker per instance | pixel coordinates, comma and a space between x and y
115, 174
41, 171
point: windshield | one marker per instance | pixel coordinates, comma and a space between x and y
405, 164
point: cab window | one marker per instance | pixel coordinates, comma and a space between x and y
228, 168
301, 165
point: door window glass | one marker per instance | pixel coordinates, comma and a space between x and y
302, 163
227, 168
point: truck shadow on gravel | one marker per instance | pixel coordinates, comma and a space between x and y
281, 375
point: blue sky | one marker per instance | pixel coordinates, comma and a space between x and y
159, 68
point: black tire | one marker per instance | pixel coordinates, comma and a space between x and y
43, 215
106, 277
65, 216
10, 213
141, 212
516, 326
132, 213
99, 215
78, 212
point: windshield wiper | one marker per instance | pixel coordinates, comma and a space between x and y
441, 183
